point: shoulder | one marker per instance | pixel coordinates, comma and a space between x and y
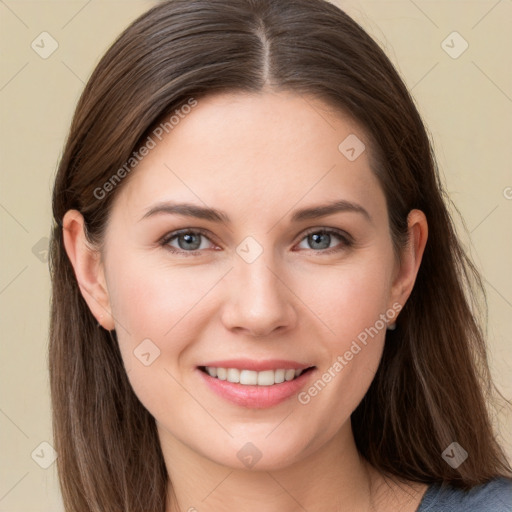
493, 496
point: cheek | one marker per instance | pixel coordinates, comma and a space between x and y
152, 296
354, 305
156, 311
156, 302
351, 298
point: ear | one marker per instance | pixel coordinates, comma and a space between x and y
88, 267
410, 257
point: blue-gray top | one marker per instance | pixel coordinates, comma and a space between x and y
493, 496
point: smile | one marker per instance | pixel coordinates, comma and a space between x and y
253, 378
255, 385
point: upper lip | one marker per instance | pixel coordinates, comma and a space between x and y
258, 366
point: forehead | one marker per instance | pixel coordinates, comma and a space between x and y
244, 152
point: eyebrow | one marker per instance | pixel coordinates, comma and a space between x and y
214, 215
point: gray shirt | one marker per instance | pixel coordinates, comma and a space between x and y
493, 496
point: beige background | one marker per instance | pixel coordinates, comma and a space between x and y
466, 102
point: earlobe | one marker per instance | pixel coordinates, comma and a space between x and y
412, 255
89, 272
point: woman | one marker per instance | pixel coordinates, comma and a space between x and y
259, 299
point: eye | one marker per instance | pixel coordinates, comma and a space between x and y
322, 238
189, 241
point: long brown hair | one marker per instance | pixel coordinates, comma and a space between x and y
433, 382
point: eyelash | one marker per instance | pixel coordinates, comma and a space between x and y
344, 237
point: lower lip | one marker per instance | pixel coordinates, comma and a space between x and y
256, 397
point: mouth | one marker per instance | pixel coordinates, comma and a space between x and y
254, 385
247, 377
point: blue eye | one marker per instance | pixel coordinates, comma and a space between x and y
190, 241
321, 238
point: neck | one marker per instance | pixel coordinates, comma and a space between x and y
334, 478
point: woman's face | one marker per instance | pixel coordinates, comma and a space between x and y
262, 289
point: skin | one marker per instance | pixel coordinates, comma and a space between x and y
257, 157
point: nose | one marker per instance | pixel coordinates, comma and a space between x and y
259, 301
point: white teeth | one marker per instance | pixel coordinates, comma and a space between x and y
279, 376
252, 378
266, 378
248, 377
289, 374
233, 375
